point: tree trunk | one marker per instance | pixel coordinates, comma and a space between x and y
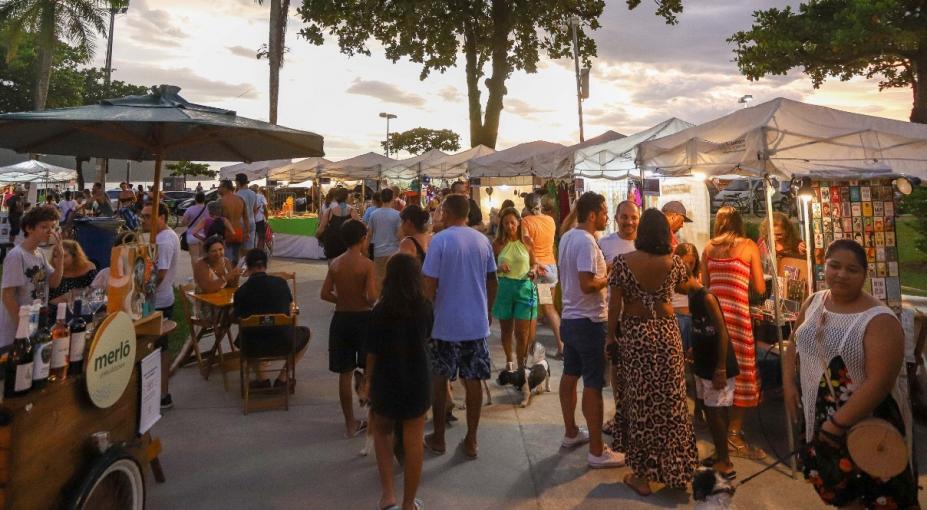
80, 174
502, 27
473, 84
919, 111
274, 54
43, 77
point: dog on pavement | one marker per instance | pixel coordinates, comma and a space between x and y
536, 374
711, 491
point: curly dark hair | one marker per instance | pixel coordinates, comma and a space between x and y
653, 233
37, 215
416, 215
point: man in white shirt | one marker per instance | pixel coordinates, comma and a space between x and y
168, 254
627, 217
583, 278
67, 206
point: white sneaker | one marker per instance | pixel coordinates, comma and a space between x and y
582, 437
608, 459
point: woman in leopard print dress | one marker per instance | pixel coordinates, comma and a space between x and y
655, 430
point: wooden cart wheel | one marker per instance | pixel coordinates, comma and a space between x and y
113, 482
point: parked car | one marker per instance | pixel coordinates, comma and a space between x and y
746, 195
182, 205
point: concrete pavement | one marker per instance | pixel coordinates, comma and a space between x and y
214, 457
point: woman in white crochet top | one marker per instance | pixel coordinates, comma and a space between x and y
850, 340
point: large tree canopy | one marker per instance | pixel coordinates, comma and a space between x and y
71, 83
419, 140
506, 35
842, 38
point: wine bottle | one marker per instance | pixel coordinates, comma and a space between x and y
18, 379
41, 351
78, 330
61, 345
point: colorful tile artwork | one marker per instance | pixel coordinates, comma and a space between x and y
863, 211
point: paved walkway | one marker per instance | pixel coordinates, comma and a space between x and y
214, 457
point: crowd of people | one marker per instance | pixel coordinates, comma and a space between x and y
416, 293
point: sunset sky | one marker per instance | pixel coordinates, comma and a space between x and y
646, 71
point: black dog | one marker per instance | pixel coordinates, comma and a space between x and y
537, 377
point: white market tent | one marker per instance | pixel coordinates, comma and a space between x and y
454, 166
36, 171
783, 138
559, 163
512, 162
254, 171
298, 171
365, 166
410, 168
614, 159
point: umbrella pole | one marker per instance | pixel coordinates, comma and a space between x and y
155, 201
771, 247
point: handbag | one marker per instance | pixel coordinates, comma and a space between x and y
184, 243
874, 444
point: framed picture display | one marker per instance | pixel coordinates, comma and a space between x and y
864, 211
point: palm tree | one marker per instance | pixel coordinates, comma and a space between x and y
50, 20
275, 48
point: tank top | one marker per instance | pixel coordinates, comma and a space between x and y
842, 336
515, 254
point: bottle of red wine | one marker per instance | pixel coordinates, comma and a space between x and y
18, 380
41, 351
78, 327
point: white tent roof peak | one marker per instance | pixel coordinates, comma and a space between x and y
514, 161
613, 159
454, 165
785, 137
298, 171
363, 166
254, 171
410, 167
36, 171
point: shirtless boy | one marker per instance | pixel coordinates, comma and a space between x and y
233, 208
351, 285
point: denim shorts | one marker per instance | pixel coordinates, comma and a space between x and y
550, 275
584, 350
685, 330
468, 358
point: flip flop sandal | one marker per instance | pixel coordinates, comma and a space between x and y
361, 428
745, 451
628, 481
418, 504
433, 449
469, 454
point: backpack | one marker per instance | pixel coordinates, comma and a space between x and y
332, 243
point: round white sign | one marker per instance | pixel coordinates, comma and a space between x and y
109, 362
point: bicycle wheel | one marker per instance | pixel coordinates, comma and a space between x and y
114, 481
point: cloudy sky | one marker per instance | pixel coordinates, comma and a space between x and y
646, 72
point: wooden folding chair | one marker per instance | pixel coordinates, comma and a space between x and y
198, 328
253, 330
291, 281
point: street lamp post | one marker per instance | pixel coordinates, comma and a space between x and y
387, 116
745, 100
574, 26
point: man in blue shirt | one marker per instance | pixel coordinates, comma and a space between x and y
460, 278
384, 234
375, 203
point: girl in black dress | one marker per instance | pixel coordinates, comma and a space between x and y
400, 385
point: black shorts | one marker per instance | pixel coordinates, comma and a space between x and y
274, 341
260, 228
346, 337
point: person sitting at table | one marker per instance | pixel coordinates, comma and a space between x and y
79, 272
212, 273
265, 294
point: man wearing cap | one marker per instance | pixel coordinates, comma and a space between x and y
676, 215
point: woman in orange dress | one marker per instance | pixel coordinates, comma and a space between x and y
731, 264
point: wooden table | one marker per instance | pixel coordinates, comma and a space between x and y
222, 301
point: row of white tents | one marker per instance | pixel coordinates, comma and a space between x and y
781, 138
36, 172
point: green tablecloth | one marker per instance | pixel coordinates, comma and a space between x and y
294, 226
